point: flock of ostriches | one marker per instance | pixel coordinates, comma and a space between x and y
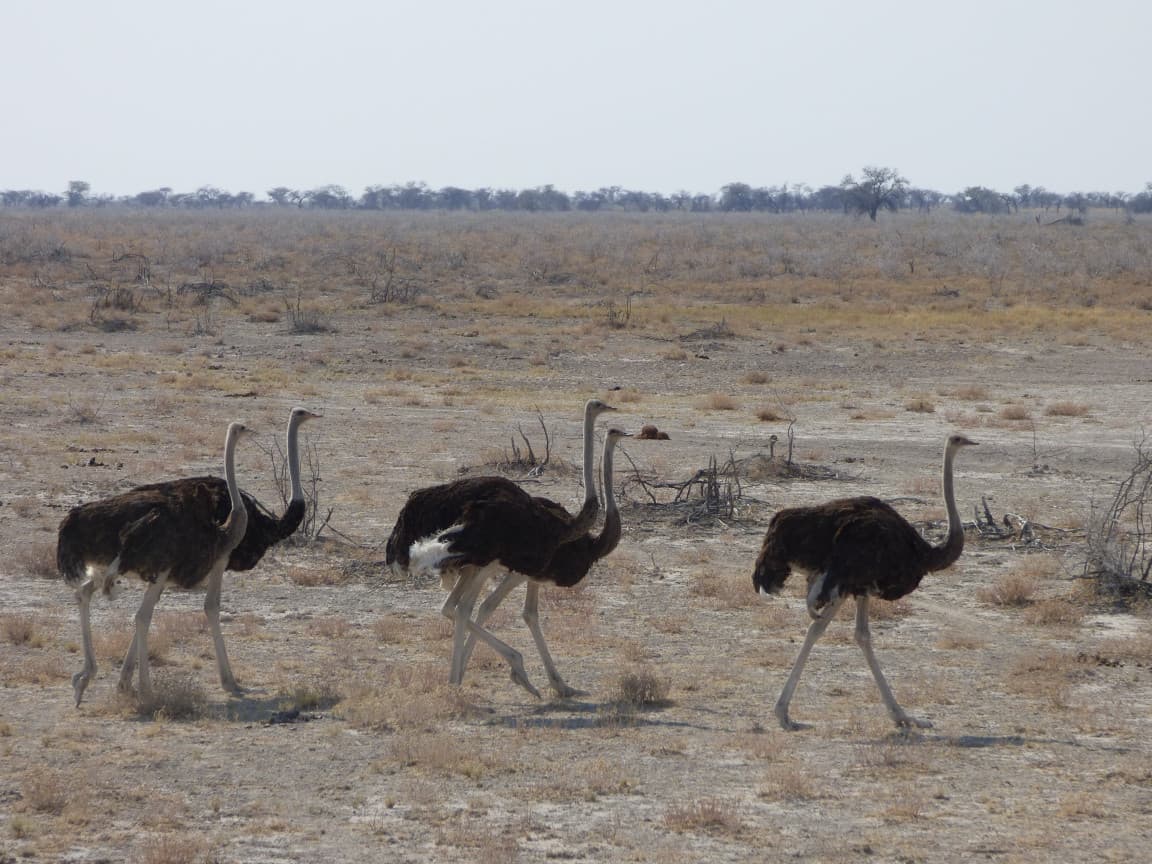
187, 532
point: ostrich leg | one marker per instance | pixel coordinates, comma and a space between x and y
864, 640
815, 631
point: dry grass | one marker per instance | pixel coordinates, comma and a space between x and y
1012, 590
1067, 409
717, 402
46, 792
37, 559
919, 405
22, 628
641, 689
1014, 412
705, 815
175, 696
177, 849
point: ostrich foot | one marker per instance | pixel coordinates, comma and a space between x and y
521, 678
786, 723
565, 692
79, 685
905, 721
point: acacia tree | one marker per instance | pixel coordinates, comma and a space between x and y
880, 188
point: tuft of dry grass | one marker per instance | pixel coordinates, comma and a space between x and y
1067, 409
175, 849
707, 815
22, 628
45, 792
1011, 589
971, 393
1054, 612
175, 696
641, 689
37, 559
756, 377
717, 402
1014, 412
919, 405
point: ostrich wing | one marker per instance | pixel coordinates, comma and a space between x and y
182, 542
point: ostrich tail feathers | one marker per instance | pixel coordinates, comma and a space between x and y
430, 555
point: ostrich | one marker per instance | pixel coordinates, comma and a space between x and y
160, 533
264, 529
434, 509
569, 565
498, 534
859, 547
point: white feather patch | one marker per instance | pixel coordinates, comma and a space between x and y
427, 555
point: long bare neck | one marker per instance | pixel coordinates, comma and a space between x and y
589, 460
946, 554
237, 522
610, 533
294, 458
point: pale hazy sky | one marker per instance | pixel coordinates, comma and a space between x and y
654, 95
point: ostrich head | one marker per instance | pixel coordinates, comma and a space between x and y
596, 407
955, 442
299, 415
616, 434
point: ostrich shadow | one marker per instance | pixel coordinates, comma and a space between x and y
609, 714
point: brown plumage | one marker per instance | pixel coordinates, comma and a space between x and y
90, 534
858, 547
434, 509
648, 432
159, 533
490, 534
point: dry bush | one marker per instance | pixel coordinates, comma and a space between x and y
1067, 409
22, 628
1011, 589
717, 402
787, 782
401, 697
314, 576
707, 815
330, 627
971, 393
730, 589
173, 849
175, 696
919, 405
1046, 675
769, 415
1054, 612
756, 377
44, 791
641, 689
1014, 412
37, 559
954, 640
443, 753
310, 696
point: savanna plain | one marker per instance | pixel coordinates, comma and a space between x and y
443, 345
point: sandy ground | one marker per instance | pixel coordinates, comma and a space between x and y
349, 746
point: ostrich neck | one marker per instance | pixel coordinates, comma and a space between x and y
294, 460
589, 460
947, 554
237, 522
610, 533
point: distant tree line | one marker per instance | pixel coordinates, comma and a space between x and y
877, 189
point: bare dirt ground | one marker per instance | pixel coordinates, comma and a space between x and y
350, 746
